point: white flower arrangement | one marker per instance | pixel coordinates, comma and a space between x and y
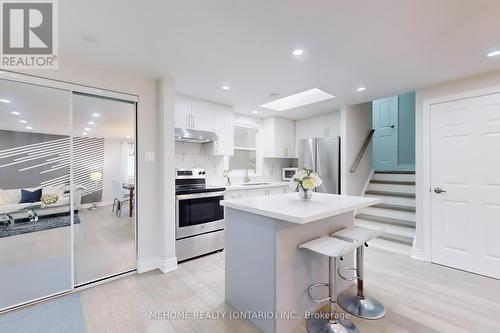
305, 179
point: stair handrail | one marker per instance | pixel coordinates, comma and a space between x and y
362, 151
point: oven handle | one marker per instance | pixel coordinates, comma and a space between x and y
199, 195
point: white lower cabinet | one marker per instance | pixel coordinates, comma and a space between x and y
257, 192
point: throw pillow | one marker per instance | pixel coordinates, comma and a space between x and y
48, 199
57, 190
10, 197
30, 197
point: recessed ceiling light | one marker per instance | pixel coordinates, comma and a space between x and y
494, 53
361, 89
29, 127
87, 129
15, 113
96, 115
84, 133
91, 123
3, 100
298, 52
255, 111
22, 121
225, 87
302, 98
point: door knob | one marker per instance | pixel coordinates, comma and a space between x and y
439, 190
392, 126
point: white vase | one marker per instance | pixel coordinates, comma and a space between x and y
305, 194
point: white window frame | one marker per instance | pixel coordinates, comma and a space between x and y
259, 161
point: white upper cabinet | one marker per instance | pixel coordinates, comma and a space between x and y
278, 138
333, 124
207, 116
203, 115
225, 131
316, 127
182, 111
301, 129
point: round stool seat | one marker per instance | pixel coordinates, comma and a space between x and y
357, 234
328, 246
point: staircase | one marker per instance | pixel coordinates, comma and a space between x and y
396, 212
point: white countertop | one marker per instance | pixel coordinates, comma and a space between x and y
239, 187
289, 207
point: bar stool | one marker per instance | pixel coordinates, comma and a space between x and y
333, 248
359, 304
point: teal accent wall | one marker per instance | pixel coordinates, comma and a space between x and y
406, 135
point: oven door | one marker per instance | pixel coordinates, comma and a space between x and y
198, 213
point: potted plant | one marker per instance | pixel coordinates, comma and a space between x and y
305, 180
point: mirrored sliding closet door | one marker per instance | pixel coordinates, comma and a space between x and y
104, 169
35, 192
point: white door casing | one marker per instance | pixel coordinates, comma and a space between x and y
465, 162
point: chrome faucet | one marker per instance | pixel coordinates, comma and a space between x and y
250, 166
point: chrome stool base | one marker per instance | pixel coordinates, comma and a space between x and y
323, 325
366, 308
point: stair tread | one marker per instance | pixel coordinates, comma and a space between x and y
391, 194
387, 220
397, 172
397, 238
395, 207
392, 182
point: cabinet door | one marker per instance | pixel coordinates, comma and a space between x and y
289, 138
301, 129
257, 192
316, 127
182, 111
333, 124
224, 130
236, 194
276, 190
203, 115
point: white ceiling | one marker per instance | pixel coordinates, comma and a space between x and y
48, 111
386, 45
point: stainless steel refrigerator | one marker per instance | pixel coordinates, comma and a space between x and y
322, 155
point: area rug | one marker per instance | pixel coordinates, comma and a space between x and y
43, 223
59, 315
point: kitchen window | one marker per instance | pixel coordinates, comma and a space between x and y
246, 152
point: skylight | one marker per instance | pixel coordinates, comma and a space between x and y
300, 99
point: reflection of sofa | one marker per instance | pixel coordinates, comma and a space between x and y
9, 201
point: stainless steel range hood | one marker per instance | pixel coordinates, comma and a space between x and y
194, 136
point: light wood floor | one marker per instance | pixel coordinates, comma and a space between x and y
419, 297
104, 244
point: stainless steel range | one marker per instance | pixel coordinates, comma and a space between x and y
198, 214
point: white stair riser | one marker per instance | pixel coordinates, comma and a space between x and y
394, 176
392, 229
392, 188
394, 214
394, 200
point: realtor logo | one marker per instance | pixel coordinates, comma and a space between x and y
29, 34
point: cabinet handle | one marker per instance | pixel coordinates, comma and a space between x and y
193, 121
216, 147
189, 120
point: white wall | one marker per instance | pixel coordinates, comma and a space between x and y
151, 243
457, 86
356, 122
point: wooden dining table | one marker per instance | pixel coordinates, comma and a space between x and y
131, 190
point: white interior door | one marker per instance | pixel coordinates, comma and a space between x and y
465, 165
385, 139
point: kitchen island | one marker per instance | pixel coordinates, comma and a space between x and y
267, 275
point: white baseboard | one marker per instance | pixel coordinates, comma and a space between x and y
418, 254
151, 264
169, 265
